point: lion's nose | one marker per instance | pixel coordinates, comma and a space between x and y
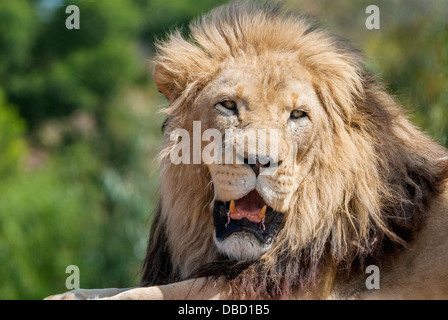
256, 162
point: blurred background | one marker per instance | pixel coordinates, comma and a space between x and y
80, 123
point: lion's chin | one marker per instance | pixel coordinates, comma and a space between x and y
242, 246
245, 236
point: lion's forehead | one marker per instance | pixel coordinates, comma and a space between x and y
260, 89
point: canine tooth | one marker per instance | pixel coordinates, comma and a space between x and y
232, 209
262, 212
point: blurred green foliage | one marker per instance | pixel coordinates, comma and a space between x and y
80, 128
12, 142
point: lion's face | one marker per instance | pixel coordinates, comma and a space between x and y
273, 116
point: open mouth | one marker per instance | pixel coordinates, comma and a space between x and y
249, 214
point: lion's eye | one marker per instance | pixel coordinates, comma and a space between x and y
227, 107
297, 114
229, 104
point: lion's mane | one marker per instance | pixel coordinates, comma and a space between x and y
368, 189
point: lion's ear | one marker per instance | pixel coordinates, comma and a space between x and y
163, 81
180, 64
173, 77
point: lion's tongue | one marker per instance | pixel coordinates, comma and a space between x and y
251, 206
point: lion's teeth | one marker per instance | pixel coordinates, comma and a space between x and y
232, 207
262, 212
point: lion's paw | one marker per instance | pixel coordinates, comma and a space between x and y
79, 294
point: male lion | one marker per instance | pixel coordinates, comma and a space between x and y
354, 182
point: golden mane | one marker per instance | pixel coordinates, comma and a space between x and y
369, 186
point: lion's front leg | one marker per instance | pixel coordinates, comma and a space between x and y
87, 294
195, 289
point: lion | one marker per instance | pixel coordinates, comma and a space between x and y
353, 183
